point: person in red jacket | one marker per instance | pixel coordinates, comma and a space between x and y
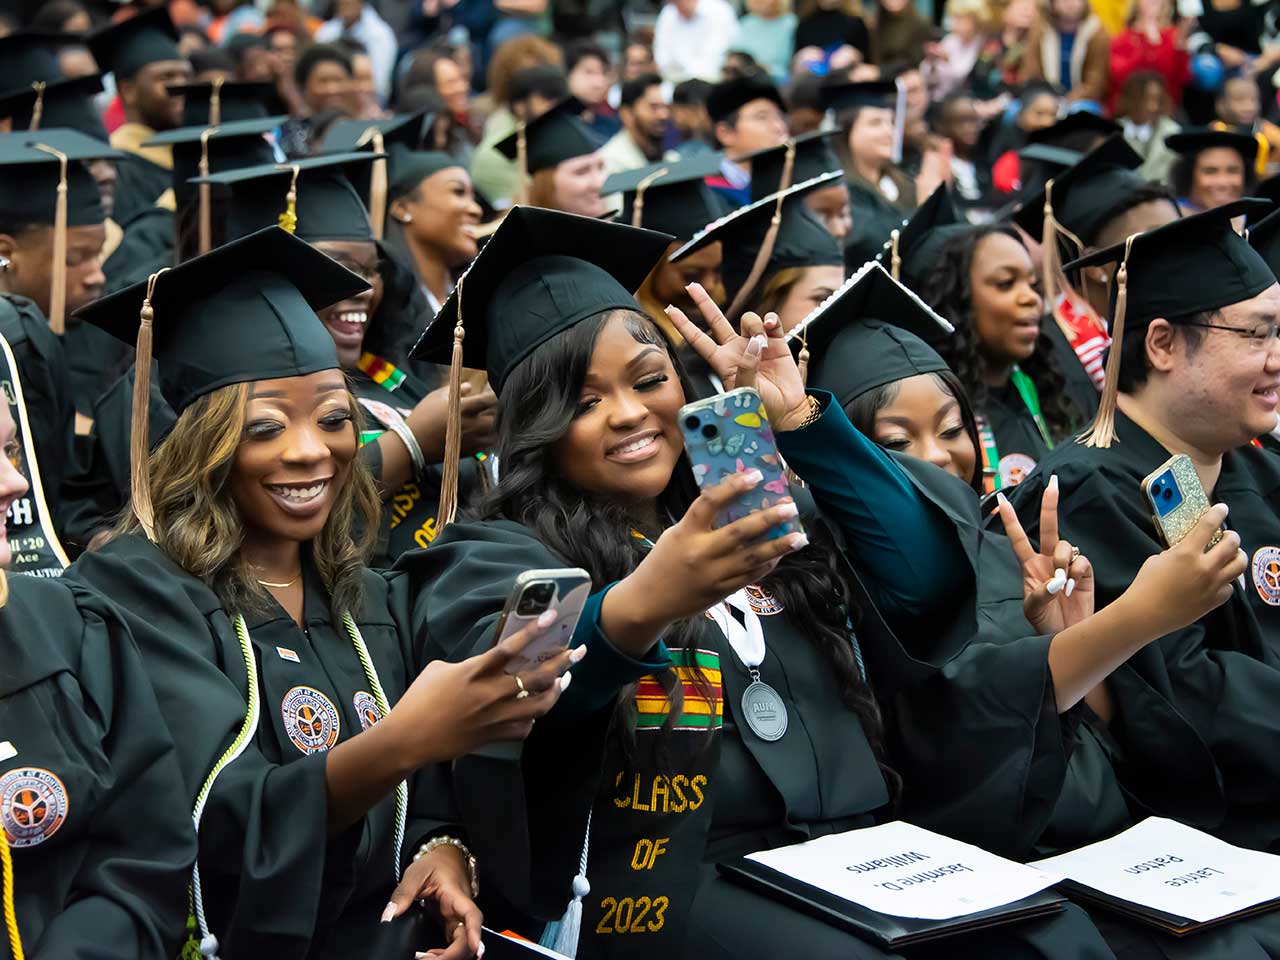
1150, 41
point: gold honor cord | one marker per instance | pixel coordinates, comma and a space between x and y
58, 285
10, 914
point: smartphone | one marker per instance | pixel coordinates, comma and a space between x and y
727, 434
535, 592
1177, 499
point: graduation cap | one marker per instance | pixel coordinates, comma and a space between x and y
220, 101
394, 135
200, 151
62, 104
1076, 131
1189, 143
549, 139
542, 272
1195, 264
870, 332
1264, 236
1268, 189
28, 57
126, 47
45, 181
730, 96
847, 94
313, 198
913, 249
800, 158
669, 197
243, 312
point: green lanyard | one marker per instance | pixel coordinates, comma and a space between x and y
1027, 390
990, 453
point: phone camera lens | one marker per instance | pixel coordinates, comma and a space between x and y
1166, 493
692, 423
535, 598
710, 431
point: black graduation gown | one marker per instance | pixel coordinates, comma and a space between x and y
90, 793
148, 244
401, 317
46, 389
1079, 387
874, 218
1195, 710
94, 360
1018, 439
140, 185
276, 883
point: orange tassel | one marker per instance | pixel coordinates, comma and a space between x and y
1103, 432
139, 435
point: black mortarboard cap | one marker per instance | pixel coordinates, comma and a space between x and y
846, 95
1078, 131
813, 157
409, 130
29, 182
1264, 236
729, 96
245, 311
327, 205
921, 238
126, 47
1188, 143
1054, 159
63, 104
408, 168
230, 145
673, 197
870, 332
1191, 265
28, 57
235, 101
1268, 189
552, 138
542, 272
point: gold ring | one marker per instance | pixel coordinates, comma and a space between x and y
522, 693
1075, 554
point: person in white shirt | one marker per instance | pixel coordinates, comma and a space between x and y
692, 38
361, 21
644, 113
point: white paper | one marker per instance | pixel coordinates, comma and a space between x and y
1169, 866
906, 871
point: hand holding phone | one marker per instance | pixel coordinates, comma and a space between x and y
1177, 499
536, 591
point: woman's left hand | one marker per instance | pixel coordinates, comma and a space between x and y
443, 879
758, 357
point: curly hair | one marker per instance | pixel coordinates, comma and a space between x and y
948, 289
200, 528
535, 409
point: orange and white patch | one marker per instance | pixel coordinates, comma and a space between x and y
310, 719
1014, 469
33, 805
764, 603
366, 709
1266, 574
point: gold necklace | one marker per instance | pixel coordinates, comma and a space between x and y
281, 586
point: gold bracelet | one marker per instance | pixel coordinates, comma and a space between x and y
815, 412
441, 841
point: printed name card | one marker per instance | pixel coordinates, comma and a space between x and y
905, 871
1168, 866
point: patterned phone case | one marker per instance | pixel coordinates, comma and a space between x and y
1174, 524
728, 434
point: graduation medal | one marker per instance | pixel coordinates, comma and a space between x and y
763, 708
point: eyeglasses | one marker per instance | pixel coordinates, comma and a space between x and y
1260, 336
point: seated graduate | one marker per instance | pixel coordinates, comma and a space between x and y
787, 269
558, 162
1195, 369
239, 571
1214, 167
403, 439
86, 874
985, 283
810, 156
747, 115
689, 621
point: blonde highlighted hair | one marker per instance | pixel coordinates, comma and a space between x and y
200, 528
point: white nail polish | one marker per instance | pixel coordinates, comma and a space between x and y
789, 510
799, 541
1053, 483
546, 618
1053, 586
577, 654
565, 681
1071, 585
1001, 498
480, 952
753, 477
388, 913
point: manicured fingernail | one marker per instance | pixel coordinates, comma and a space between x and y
388, 913
546, 618
667, 310
1053, 482
788, 510
1071, 585
1053, 586
565, 681
576, 655
1001, 498
480, 952
799, 541
752, 477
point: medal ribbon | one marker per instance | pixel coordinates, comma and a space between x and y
1031, 398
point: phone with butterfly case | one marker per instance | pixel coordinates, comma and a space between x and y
727, 434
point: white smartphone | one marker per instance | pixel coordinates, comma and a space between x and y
536, 591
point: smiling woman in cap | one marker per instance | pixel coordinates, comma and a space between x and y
1216, 167
238, 567
558, 162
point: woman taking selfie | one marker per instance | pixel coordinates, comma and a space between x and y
689, 618
239, 569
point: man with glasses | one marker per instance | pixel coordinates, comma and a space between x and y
1193, 716
747, 115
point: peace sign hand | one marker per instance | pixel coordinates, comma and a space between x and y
1057, 581
757, 357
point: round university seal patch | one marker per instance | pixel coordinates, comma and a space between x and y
366, 709
1014, 469
764, 603
33, 805
1266, 574
310, 719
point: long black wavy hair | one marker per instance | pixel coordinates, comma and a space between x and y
948, 290
539, 401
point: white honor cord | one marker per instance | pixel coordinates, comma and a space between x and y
746, 637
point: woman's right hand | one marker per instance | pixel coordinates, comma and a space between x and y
1179, 586
452, 708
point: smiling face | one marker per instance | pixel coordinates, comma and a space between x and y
1217, 178
348, 321
760, 124
294, 457
922, 419
12, 483
577, 185
871, 137
328, 86
441, 214
1006, 299
625, 439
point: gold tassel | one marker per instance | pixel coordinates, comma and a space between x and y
206, 194
1103, 432
58, 283
637, 208
521, 193
37, 111
215, 102
378, 188
4, 589
139, 435
288, 221
448, 507
770, 238
895, 258
1049, 249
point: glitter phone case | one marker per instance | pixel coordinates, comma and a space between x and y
1177, 499
727, 434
